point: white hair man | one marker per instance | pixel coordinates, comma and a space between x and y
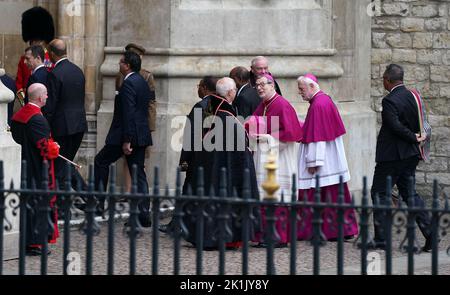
322, 153
226, 87
259, 67
225, 146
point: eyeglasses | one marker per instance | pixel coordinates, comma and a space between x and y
262, 84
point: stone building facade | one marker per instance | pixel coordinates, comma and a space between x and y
416, 35
331, 38
81, 23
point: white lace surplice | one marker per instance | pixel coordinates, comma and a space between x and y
286, 154
329, 157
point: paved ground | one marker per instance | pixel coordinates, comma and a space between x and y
257, 257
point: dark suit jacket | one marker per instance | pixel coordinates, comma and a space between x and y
130, 120
397, 137
247, 101
11, 85
65, 110
40, 76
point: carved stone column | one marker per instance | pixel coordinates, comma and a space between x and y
185, 41
10, 155
81, 23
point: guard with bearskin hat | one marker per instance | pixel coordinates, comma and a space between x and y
37, 29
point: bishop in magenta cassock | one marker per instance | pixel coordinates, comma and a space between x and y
276, 127
322, 153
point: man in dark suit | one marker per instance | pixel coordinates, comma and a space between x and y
259, 67
11, 85
129, 133
397, 152
65, 110
148, 76
247, 99
34, 59
192, 137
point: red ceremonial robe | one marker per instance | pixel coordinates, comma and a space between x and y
30, 129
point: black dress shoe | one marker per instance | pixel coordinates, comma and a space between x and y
164, 228
346, 239
210, 249
415, 249
80, 206
34, 251
145, 222
217, 248
373, 245
428, 247
276, 245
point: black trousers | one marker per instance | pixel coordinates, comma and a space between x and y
400, 172
110, 154
69, 146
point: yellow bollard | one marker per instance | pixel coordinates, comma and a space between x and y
270, 186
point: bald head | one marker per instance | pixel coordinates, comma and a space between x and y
240, 75
57, 49
37, 94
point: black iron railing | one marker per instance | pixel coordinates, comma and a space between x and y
35, 200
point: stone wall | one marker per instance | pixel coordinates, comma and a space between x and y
416, 35
11, 43
302, 36
81, 23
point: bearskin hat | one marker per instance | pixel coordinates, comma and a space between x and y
37, 24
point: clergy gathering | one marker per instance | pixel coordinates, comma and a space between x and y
269, 161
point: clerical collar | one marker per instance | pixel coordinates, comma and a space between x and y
64, 58
33, 104
271, 100
37, 68
240, 90
397, 87
269, 103
126, 77
315, 94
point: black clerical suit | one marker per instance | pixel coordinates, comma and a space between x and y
129, 124
230, 152
194, 131
397, 155
39, 75
66, 113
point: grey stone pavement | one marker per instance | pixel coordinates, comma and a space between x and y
257, 257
